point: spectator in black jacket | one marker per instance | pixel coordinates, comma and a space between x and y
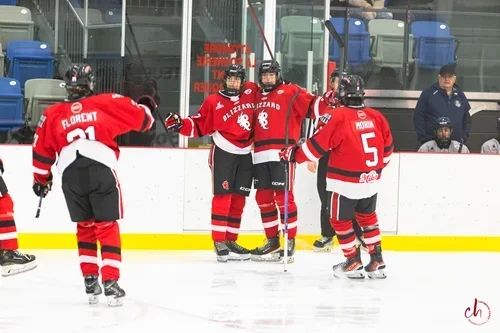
443, 99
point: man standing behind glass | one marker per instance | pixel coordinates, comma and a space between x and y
443, 99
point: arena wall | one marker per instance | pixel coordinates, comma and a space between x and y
429, 202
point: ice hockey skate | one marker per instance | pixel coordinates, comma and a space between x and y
291, 251
221, 251
352, 268
269, 251
376, 267
113, 293
324, 244
237, 252
14, 262
92, 288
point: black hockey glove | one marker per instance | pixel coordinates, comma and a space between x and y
43, 189
287, 155
149, 102
174, 122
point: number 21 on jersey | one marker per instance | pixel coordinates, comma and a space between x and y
78, 133
373, 161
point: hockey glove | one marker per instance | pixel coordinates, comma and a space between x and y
149, 102
41, 189
174, 122
288, 154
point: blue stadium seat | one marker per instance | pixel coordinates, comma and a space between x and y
29, 60
11, 104
8, 2
434, 44
358, 50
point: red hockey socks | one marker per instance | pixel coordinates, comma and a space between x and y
371, 231
87, 248
221, 205
345, 235
234, 219
292, 212
8, 231
268, 212
108, 235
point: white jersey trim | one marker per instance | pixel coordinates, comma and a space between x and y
353, 190
224, 144
270, 155
88, 148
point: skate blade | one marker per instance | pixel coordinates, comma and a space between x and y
239, 257
114, 301
353, 275
290, 260
270, 257
377, 275
222, 258
18, 269
323, 249
93, 299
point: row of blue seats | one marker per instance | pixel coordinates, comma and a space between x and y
11, 104
434, 45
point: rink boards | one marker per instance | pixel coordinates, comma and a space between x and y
429, 202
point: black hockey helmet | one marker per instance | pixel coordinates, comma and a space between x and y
351, 91
234, 70
441, 136
334, 76
270, 66
80, 81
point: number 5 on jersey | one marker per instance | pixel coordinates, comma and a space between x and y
78, 133
369, 150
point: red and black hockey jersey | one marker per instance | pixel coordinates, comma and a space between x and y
88, 126
361, 145
228, 119
271, 112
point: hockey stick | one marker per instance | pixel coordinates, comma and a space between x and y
156, 112
331, 29
39, 208
480, 107
287, 185
261, 31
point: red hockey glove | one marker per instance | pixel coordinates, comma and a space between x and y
174, 122
42, 189
288, 154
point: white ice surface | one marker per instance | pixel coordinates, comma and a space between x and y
191, 292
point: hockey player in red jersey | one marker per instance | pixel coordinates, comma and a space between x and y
271, 108
81, 132
11, 260
329, 102
361, 145
227, 116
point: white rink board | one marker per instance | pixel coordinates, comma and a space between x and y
168, 191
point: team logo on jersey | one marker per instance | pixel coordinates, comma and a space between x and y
361, 114
225, 185
219, 106
248, 91
325, 118
458, 104
280, 91
243, 121
76, 107
262, 118
369, 177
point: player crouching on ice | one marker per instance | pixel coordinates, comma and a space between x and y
12, 261
81, 132
227, 116
360, 143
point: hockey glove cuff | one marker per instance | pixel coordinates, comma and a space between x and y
288, 154
174, 122
149, 102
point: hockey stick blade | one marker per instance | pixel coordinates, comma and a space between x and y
39, 208
333, 32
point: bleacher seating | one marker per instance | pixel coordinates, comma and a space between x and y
112, 15
434, 45
358, 39
28, 60
15, 24
38, 95
299, 34
2, 60
11, 104
8, 2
